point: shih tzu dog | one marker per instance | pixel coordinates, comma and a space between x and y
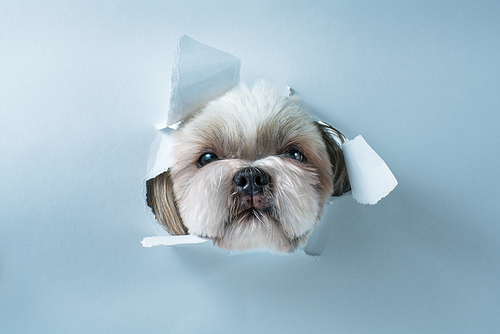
251, 170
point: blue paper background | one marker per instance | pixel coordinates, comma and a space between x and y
81, 84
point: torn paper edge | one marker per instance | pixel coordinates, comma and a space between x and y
211, 82
169, 240
369, 176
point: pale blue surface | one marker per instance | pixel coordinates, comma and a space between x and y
82, 84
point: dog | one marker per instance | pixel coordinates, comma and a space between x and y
251, 170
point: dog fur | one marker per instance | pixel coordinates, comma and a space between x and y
251, 170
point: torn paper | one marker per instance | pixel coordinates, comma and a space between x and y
369, 176
168, 240
200, 73
161, 155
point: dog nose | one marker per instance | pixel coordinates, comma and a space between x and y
251, 180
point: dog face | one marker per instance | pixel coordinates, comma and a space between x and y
251, 171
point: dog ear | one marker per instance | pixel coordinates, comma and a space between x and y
160, 198
333, 140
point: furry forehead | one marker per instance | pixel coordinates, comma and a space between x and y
250, 124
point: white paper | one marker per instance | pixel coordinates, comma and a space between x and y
369, 176
169, 240
200, 73
161, 156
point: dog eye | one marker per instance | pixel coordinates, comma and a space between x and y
295, 154
206, 158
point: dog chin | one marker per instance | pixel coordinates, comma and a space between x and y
253, 229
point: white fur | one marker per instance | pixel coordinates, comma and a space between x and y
249, 128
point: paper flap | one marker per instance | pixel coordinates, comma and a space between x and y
369, 176
200, 73
161, 155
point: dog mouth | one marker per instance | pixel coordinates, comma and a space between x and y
249, 213
254, 221
251, 210
252, 215
252, 226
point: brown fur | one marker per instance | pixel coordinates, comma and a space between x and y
161, 200
341, 180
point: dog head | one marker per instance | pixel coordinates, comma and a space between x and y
251, 170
